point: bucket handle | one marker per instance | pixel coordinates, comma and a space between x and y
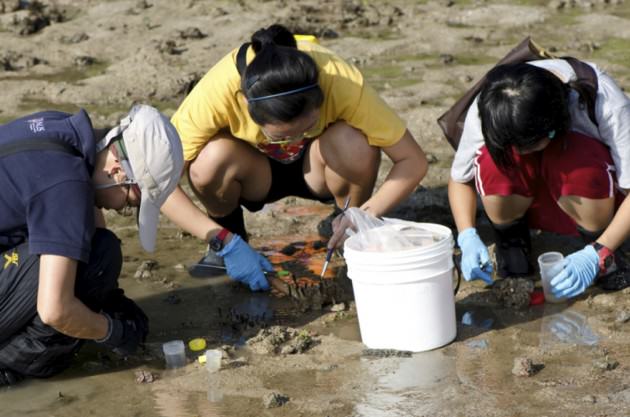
458, 271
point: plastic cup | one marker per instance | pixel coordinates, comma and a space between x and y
546, 261
174, 353
213, 360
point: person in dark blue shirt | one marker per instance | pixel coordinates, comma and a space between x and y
59, 265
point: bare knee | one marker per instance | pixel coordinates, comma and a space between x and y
591, 214
346, 149
505, 209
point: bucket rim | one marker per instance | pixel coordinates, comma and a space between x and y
447, 234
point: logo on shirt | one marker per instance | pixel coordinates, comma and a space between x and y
36, 125
11, 259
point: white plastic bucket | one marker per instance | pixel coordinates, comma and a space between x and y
404, 298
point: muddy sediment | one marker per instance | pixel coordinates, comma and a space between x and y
301, 341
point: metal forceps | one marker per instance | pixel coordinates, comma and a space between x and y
331, 250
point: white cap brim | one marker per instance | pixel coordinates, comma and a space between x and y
148, 219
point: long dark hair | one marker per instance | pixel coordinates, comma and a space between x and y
279, 67
520, 105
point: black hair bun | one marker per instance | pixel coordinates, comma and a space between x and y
273, 35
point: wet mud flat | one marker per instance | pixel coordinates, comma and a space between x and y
284, 356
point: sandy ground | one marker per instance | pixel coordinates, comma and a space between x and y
421, 55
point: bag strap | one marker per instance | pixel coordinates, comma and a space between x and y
587, 80
241, 58
38, 145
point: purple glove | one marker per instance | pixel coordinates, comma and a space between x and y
475, 258
577, 274
245, 264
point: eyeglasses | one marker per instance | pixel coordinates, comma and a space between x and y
274, 140
129, 182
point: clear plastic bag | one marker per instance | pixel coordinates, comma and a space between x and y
385, 234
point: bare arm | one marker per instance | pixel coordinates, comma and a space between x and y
463, 201
57, 305
410, 167
181, 210
618, 229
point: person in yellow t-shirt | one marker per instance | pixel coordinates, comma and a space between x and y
294, 120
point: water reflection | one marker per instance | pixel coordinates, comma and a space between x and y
567, 326
482, 318
401, 381
254, 311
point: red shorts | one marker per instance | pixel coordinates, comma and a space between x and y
574, 164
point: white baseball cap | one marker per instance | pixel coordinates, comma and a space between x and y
154, 160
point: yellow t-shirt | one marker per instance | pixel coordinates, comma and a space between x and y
217, 103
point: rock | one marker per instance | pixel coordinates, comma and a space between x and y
447, 59
145, 269
605, 364
143, 4
431, 158
192, 33
525, 367
622, 317
283, 340
145, 377
338, 307
274, 400
557, 4
605, 300
76, 38
170, 47
84, 61
513, 292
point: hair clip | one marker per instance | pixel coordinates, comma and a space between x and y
551, 134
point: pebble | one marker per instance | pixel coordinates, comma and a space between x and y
525, 367
145, 377
274, 400
338, 307
622, 317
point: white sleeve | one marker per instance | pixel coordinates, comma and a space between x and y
612, 110
463, 169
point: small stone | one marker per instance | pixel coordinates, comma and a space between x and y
589, 399
605, 364
84, 61
274, 400
338, 307
525, 367
622, 317
431, 158
447, 59
145, 377
192, 33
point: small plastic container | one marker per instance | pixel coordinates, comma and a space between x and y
213, 360
174, 353
546, 261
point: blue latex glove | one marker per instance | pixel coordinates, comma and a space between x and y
578, 272
245, 264
475, 258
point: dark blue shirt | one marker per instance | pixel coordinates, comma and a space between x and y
46, 196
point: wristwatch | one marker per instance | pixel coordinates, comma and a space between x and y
606, 258
217, 242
